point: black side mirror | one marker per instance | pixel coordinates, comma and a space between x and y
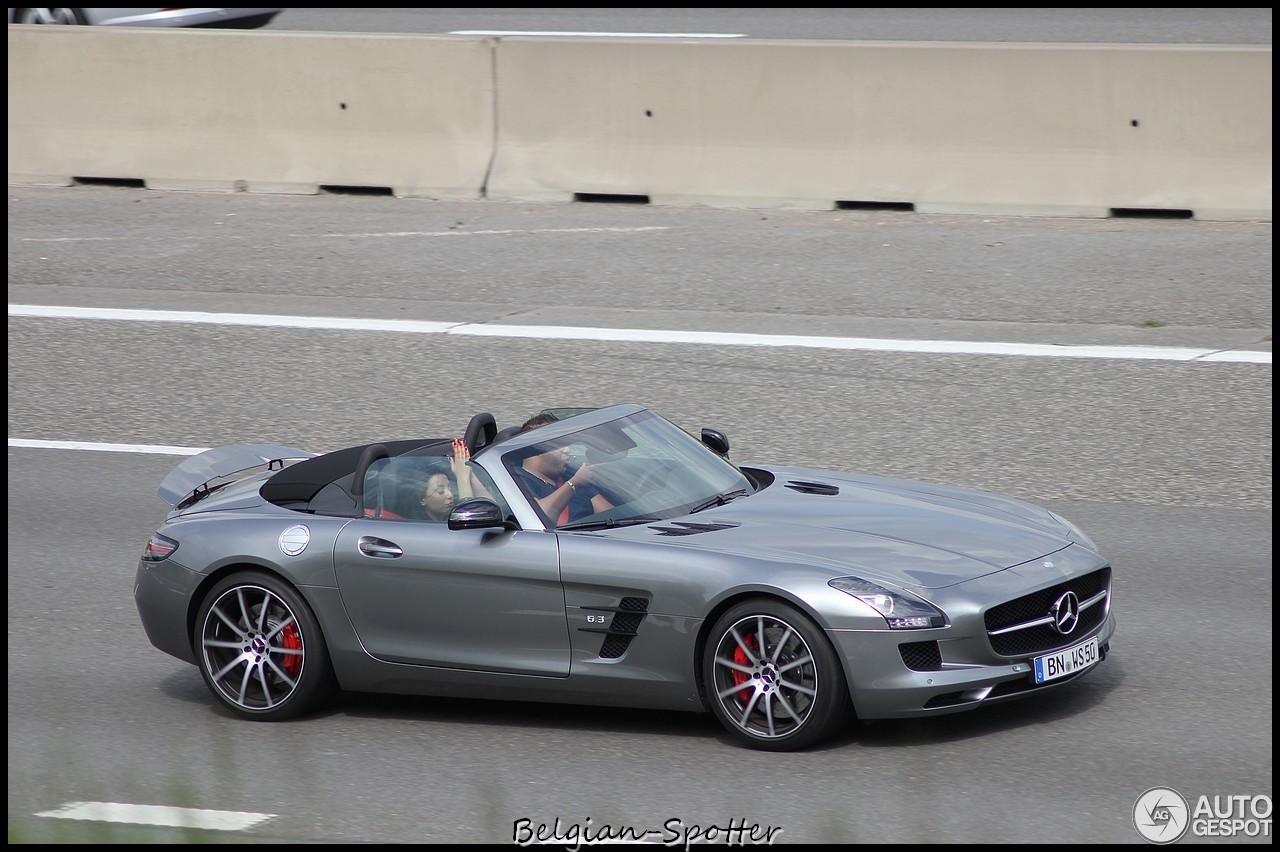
476, 513
716, 441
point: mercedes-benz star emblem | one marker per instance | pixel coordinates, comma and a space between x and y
1066, 613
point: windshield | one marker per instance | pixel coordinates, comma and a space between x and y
636, 469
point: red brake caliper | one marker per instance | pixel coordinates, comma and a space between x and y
739, 678
290, 638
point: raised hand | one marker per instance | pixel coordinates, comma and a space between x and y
459, 459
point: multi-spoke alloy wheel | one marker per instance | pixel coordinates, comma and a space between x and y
260, 649
772, 678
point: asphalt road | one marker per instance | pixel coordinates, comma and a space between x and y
1167, 464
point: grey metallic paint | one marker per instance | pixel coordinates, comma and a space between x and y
504, 613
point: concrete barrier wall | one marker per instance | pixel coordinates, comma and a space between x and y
262, 112
1045, 129
1027, 129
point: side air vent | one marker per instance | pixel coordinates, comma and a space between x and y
628, 615
690, 528
814, 488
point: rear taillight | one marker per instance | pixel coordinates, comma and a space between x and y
158, 548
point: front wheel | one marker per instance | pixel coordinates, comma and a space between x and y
260, 649
772, 678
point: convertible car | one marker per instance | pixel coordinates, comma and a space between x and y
609, 557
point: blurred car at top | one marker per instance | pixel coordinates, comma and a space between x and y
243, 19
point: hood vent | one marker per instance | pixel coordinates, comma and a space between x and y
814, 488
689, 528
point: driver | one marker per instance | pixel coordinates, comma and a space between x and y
563, 494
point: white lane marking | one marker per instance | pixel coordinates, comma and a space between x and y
594, 35
106, 448
639, 335
72, 239
203, 318
158, 815
932, 347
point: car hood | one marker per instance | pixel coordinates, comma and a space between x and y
901, 532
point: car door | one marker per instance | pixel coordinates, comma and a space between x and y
484, 600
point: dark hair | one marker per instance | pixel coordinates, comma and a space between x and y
414, 488
538, 420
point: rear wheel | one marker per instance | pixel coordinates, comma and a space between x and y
260, 649
772, 678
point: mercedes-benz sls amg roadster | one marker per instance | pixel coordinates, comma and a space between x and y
610, 557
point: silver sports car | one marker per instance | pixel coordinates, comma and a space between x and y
610, 557
243, 19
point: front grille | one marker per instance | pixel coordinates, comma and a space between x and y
921, 656
1043, 637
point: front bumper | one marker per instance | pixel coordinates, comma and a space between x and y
882, 687
979, 658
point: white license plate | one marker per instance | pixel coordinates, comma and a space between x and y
1070, 661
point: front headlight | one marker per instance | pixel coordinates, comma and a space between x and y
1075, 533
900, 610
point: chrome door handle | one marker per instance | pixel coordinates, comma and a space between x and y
379, 548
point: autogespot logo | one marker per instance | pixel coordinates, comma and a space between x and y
1161, 815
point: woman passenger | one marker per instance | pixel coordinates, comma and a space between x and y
442, 491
